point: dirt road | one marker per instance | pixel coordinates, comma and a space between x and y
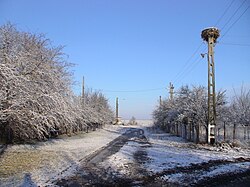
91, 173
96, 171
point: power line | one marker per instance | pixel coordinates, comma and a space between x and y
187, 65
188, 68
233, 15
235, 22
238, 36
127, 91
236, 44
224, 13
191, 68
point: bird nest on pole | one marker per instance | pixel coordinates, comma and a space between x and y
211, 32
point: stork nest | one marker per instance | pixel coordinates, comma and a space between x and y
211, 32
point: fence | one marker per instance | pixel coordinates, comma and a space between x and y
198, 133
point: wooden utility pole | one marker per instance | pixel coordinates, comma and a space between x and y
160, 101
116, 109
171, 91
210, 35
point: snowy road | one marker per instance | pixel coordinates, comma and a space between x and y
124, 156
160, 159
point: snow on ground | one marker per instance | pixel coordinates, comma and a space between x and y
185, 178
42, 163
167, 152
53, 159
122, 159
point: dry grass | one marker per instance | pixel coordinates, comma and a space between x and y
19, 162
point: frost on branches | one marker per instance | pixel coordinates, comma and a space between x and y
186, 115
36, 99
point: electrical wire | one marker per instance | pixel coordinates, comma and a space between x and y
233, 15
188, 68
130, 91
224, 13
187, 64
234, 22
236, 44
191, 68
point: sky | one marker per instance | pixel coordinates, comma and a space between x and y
132, 49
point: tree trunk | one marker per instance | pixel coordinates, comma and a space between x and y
218, 134
177, 129
224, 131
193, 140
206, 134
185, 131
197, 133
245, 132
189, 129
248, 132
234, 132
10, 135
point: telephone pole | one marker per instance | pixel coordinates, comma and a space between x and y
210, 35
116, 111
160, 101
171, 91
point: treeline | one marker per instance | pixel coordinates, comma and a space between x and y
186, 114
36, 99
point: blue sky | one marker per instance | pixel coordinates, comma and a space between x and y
132, 49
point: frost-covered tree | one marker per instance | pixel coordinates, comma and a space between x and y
240, 111
187, 112
35, 90
132, 121
97, 102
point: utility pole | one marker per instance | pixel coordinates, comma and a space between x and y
210, 35
160, 101
116, 109
171, 91
83, 93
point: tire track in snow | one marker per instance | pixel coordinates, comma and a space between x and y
90, 174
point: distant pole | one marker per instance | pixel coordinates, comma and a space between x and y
171, 91
210, 35
160, 101
116, 107
83, 93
